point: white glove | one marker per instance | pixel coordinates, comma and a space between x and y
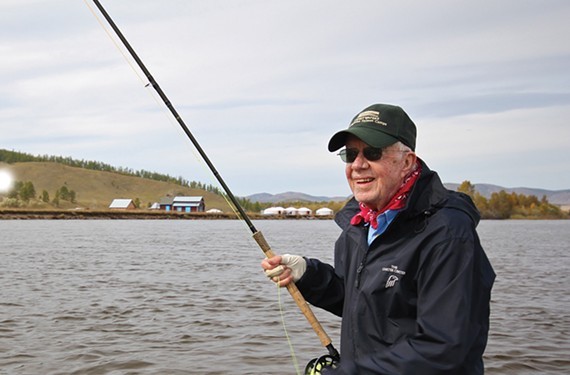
297, 264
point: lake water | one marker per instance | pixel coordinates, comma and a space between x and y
189, 297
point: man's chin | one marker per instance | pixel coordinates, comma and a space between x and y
362, 198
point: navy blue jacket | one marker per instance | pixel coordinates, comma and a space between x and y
416, 301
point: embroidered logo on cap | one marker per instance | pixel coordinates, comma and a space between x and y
368, 116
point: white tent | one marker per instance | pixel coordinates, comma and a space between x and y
304, 211
291, 211
274, 211
324, 211
214, 211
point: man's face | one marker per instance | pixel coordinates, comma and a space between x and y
375, 182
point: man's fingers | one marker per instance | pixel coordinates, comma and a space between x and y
275, 271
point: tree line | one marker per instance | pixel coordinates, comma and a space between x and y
11, 157
503, 205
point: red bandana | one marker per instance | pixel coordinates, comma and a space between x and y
397, 202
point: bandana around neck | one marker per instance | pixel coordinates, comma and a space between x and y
397, 202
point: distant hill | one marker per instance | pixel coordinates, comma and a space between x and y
291, 196
559, 197
97, 189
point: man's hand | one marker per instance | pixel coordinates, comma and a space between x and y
284, 269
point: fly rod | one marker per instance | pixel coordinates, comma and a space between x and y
257, 235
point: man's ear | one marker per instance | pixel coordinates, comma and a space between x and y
410, 162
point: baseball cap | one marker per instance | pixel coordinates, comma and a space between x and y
379, 125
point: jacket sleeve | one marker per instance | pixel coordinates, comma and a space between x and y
322, 287
452, 318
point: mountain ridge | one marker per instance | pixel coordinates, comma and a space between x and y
292, 196
558, 197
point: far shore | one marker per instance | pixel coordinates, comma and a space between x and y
144, 214
30, 214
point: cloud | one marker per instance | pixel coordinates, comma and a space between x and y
524, 147
263, 85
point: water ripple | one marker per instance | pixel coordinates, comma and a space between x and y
188, 297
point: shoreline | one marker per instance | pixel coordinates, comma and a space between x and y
19, 214
84, 214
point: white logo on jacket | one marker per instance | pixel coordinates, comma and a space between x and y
392, 280
393, 269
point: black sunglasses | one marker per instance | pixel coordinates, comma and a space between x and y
349, 155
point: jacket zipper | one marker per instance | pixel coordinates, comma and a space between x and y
361, 268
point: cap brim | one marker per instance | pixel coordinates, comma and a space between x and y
371, 137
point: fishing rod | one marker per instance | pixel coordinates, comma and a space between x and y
257, 235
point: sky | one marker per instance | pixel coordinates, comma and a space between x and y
263, 85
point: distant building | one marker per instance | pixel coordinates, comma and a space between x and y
188, 204
155, 206
274, 211
304, 211
165, 204
291, 211
122, 204
324, 211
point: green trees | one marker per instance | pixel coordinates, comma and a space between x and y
24, 191
63, 194
21, 193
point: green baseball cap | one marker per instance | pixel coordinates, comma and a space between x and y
379, 125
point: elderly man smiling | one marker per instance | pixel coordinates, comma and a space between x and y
410, 278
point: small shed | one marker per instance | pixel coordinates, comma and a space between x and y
324, 211
165, 203
188, 204
122, 204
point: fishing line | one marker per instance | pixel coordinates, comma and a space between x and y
257, 235
158, 103
115, 42
289, 342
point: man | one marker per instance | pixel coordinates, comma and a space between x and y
410, 278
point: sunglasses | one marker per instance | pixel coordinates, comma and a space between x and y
349, 155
